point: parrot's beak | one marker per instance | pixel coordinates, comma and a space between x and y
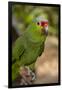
44, 27
46, 30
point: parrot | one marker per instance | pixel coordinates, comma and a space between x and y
28, 46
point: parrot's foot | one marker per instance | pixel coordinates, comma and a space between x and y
27, 76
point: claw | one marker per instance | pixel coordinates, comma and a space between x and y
31, 73
33, 76
27, 75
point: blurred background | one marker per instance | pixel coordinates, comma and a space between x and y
46, 66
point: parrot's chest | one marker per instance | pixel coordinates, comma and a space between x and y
32, 46
32, 51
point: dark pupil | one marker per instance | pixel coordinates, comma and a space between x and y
38, 23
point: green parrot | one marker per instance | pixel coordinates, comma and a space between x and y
29, 46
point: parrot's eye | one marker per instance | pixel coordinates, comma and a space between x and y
38, 23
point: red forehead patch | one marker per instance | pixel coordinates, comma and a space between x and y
44, 23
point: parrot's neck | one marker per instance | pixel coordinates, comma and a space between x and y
34, 35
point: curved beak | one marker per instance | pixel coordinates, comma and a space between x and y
46, 30
44, 25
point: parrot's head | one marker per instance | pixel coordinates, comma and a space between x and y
38, 29
41, 25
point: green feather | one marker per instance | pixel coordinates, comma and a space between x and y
27, 48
